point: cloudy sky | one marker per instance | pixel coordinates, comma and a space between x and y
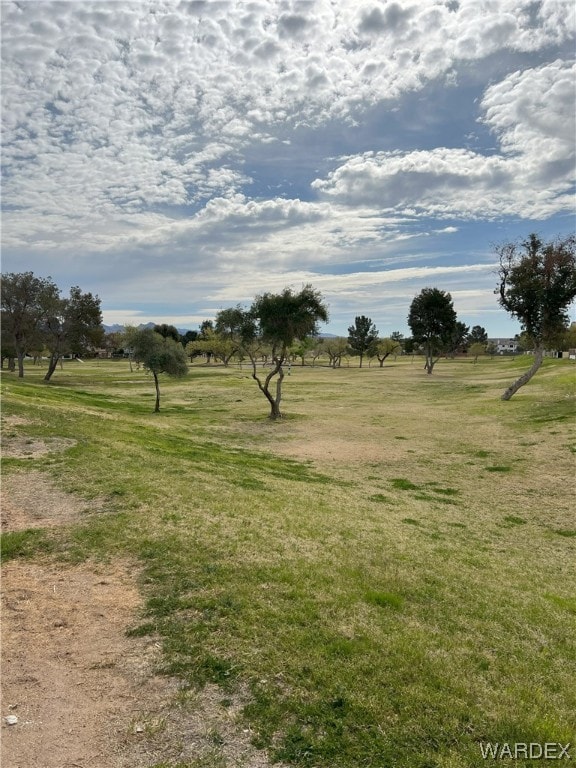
177, 158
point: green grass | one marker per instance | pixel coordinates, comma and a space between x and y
25, 543
385, 601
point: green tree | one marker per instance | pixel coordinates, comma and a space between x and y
302, 347
72, 325
158, 355
362, 336
167, 331
476, 349
399, 337
386, 347
336, 347
188, 337
569, 338
478, 335
25, 301
432, 319
537, 284
458, 339
228, 331
7, 348
409, 346
279, 319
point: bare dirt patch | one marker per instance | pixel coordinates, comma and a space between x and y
31, 500
70, 675
22, 447
86, 695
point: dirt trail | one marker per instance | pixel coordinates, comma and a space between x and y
84, 694
70, 675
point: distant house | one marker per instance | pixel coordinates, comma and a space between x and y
505, 346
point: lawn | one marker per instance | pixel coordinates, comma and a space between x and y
388, 570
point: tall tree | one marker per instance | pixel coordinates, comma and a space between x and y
72, 325
362, 336
26, 300
458, 338
537, 284
279, 319
158, 355
228, 327
433, 320
478, 335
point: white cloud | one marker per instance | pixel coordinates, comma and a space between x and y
129, 127
533, 115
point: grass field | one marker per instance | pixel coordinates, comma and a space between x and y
389, 569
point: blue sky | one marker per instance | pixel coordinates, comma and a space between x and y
177, 158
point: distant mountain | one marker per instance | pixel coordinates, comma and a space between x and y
121, 328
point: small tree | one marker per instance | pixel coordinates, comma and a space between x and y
432, 320
279, 319
301, 348
362, 336
397, 336
491, 348
336, 348
386, 347
477, 349
537, 284
158, 355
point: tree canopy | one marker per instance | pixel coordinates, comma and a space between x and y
362, 336
433, 322
26, 300
278, 320
478, 335
35, 315
537, 284
383, 348
72, 325
158, 354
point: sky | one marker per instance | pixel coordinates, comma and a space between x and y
178, 158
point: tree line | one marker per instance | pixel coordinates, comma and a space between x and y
536, 285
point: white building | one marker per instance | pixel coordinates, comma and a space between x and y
505, 346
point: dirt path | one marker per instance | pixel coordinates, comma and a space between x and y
84, 694
73, 679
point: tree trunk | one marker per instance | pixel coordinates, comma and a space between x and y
157, 405
52, 366
20, 356
525, 378
265, 387
275, 402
